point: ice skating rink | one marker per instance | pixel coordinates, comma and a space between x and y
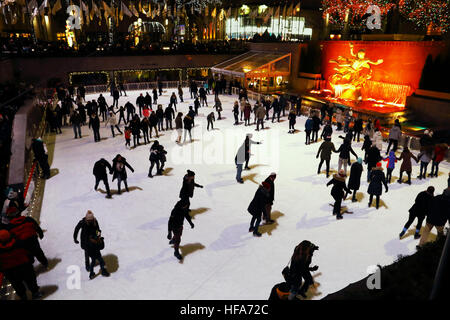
222, 260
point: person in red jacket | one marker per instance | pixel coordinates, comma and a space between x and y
27, 230
440, 150
16, 266
377, 124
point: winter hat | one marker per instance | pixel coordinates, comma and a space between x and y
190, 173
359, 160
89, 215
272, 174
249, 135
430, 189
4, 236
379, 165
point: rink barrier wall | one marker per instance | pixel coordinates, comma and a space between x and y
142, 86
407, 139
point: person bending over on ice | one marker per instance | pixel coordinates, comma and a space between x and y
419, 210
100, 174
176, 221
377, 179
300, 269
337, 192
258, 206
120, 172
162, 159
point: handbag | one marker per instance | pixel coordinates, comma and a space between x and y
101, 243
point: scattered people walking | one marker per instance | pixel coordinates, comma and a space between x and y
394, 136
41, 156
179, 126
154, 158
187, 190
406, 166
325, 150
112, 122
210, 118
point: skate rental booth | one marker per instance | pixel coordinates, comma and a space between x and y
260, 71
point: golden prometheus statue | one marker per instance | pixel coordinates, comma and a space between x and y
351, 74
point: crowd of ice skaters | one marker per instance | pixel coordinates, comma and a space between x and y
19, 235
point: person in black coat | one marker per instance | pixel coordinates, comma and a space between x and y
173, 101
155, 96
366, 146
131, 110
327, 130
419, 210
116, 95
187, 190
257, 207
41, 156
355, 178
175, 225
145, 125
140, 102
377, 179
148, 99
88, 226
153, 123
135, 126
316, 127
344, 154
437, 217
160, 116
373, 157
337, 192
94, 123
169, 114
271, 181
358, 128
120, 172
121, 112
276, 110
154, 158
300, 269
100, 174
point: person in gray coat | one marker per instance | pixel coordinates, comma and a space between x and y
394, 136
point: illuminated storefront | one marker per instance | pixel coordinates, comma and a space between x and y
260, 71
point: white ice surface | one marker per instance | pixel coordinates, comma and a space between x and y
227, 261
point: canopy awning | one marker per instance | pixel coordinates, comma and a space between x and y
256, 64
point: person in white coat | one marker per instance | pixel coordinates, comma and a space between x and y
112, 122
377, 139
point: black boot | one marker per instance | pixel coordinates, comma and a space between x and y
105, 273
178, 255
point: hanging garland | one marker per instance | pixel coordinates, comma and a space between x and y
337, 10
427, 13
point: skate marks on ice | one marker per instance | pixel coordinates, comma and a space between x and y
148, 263
269, 228
154, 225
219, 184
198, 211
190, 248
232, 237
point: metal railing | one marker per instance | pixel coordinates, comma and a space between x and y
141, 86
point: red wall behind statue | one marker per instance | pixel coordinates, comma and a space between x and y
403, 60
